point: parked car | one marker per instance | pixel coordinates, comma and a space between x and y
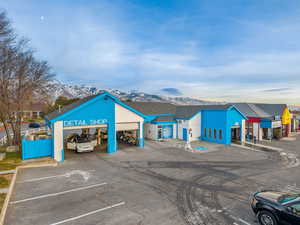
34, 125
275, 208
79, 143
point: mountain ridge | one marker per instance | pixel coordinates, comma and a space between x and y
81, 91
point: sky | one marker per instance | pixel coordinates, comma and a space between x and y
233, 50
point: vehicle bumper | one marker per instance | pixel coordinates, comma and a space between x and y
84, 149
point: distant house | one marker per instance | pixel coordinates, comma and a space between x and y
33, 111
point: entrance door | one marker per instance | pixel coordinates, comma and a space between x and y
235, 134
184, 134
159, 133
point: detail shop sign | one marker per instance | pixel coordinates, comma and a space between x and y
77, 123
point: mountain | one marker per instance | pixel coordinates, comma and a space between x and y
80, 91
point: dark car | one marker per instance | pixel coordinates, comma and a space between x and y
275, 208
34, 125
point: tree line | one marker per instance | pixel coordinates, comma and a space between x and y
23, 79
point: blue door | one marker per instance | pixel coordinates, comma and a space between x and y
168, 131
184, 134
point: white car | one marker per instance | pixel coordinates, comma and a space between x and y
81, 144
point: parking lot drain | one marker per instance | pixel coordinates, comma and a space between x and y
89, 213
58, 193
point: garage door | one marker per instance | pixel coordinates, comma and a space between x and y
127, 126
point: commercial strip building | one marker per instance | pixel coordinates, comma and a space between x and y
295, 120
107, 115
266, 121
213, 123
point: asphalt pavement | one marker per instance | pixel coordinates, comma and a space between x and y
158, 184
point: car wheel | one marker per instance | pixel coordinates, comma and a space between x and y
266, 218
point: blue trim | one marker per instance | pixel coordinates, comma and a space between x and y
141, 131
141, 142
112, 138
188, 118
245, 117
149, 118
163, 122
60, 117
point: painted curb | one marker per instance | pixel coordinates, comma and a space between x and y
12, 185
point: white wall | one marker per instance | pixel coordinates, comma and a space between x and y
256, 130
194, 124
150, 131
123, 115
243, 131
260, 134
58, 140
182, 124
174, 131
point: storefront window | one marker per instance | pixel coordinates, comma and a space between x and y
220, 134
209, 133
215, 134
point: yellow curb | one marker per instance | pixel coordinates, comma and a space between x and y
12, 184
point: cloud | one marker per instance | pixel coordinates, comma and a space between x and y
172, 91
204, 56
277, 90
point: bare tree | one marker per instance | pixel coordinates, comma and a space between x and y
22, 79
7, 56
6, 32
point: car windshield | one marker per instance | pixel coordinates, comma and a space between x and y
83, 140
286, 198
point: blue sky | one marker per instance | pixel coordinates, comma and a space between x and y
234, 50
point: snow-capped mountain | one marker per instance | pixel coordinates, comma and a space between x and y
80, 91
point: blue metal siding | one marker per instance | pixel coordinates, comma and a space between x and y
265, 123
103, 108
220, 120
214, 119
234, 118
36, 148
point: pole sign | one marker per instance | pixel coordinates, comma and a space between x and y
77, 123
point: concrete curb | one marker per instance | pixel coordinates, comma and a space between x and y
12, 185
265, 147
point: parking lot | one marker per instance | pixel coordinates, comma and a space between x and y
159, 184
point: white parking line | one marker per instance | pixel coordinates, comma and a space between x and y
57, 193
50, 177
243, 221
89, 213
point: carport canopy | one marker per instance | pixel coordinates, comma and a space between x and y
102, 110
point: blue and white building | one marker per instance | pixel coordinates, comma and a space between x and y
160, 120
100, 111
214, 123
152, 120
